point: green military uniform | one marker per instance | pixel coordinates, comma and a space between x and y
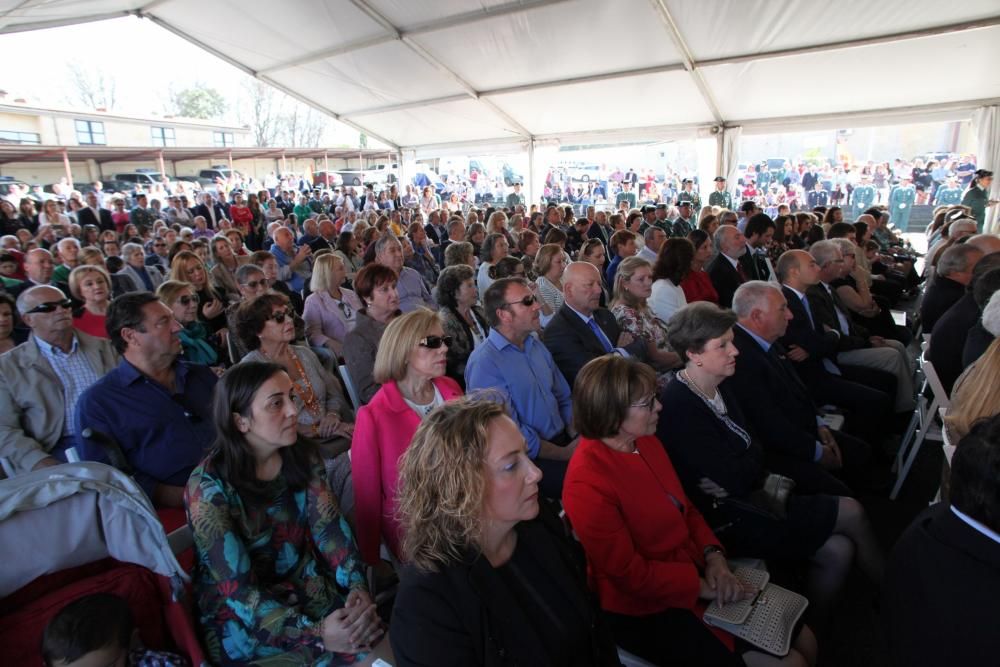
948, 196
862, 199
764, 179
722, 199
627, 196
692, 197
681, 227
515, 199
976, 199
901, 204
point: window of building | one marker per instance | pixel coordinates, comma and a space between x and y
90, 132
11, 137
223, 139
163, 136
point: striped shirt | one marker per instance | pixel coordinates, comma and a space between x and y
74, 372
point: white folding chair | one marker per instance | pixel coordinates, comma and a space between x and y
921, 425
349, 384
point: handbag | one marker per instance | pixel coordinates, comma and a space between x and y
773, 495
767, 620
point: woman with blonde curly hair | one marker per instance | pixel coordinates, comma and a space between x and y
483, 551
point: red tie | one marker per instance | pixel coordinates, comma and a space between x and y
742, 272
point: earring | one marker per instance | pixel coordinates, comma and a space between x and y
697, 363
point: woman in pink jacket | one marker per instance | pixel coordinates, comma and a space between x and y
410, 366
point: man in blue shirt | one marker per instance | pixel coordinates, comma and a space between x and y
294, 263
158, 409
515, 363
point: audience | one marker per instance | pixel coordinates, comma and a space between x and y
949, 559
581, 330
413, 292
670, 269
92, 286
978, 338
142, 277
276, 568
954, 272
723, 471
976, 394
331, 310
8, 323
410, 369
187, 267
461, 318
653, 561
623, 244
491, 576
225, 262
495, 248
154, 407
550, 264
41, 381
376, 287
516, 364
697, 284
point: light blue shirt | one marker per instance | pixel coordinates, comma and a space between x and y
532, 385
975, 525
74, 372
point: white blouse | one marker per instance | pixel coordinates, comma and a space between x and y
666, 299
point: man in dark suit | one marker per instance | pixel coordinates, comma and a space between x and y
38, 267
776, 403
759, 231
812, 349
436, 228
725, 271
953, 274
210, 210
581, 330
93, 214
942, 577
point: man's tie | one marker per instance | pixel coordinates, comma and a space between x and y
608, 347
740, 270
809, 312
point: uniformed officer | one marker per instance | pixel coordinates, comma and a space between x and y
515, 198
977, 196
688, 194
901, 200
683, 224
626, 195
817, 196
863, 196
721, 197
661, 219
949, 193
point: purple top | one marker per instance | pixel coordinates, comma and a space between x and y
328, 318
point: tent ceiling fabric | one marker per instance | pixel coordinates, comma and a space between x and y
423, 72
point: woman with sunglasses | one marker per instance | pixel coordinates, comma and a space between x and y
331, 310
462, 319
410, 365
182, 299
652, 558
188, 267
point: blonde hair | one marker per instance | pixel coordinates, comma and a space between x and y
170, 290
627, 269
442, 482
78, 273
398, 341
89, 255
977, 395
179, 266
543, 258
323, 272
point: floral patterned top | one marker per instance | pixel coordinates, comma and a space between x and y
268, 573
641, 323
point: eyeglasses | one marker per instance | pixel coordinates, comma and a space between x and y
254, 284
159, 245
280, 316
435, 342
647, 404
50, 306
528, 301
188, 299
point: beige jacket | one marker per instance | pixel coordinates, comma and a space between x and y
32, 403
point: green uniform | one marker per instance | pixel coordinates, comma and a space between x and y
515, 199
60, 274
692, 197
681, 227
628, 197
862, 199
723, 199
975, 198
901, 204
947, 196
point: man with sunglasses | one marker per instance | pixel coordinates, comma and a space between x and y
513, 362
42, 379
160, 255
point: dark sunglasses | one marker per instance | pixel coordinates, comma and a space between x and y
50, 306
528, 301
435, 342
188, 299
254, 284
280, 316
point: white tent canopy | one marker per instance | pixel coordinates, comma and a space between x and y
414, 73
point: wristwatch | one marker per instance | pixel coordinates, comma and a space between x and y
711, 549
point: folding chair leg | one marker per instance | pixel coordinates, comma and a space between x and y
914, 450
911, 431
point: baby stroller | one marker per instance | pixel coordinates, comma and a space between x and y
82, 528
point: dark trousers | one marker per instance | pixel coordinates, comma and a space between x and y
671, 637
811, 478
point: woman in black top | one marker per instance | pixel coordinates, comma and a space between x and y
492, 578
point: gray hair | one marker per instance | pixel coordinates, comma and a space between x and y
129, 248
957, 259
24, 297
66, 241
991, 315
825, 252
846, 246
691, 327
650, 233
243, 272
384, 241
751, 296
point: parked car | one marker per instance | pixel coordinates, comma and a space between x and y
139, 178
330, 179
585, 173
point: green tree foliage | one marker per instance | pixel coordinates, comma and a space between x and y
199, 101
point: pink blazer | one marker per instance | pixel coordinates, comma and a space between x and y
383, 431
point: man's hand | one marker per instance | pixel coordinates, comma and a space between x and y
877, 341
625, 339
796, 353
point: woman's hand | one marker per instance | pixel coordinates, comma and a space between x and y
327, 426
353, 628
212, 308
721, 584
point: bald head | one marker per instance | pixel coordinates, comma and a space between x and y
582, 287
867, 219
988, 243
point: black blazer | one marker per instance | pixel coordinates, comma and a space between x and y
774, 400
202, 210
465, 615
86, 216
939, 593
812, 339
434, 235
939, 296
948, 340
725, 278
824, 308
573, 344
754, 265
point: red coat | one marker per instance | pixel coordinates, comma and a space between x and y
383, 431
698, 286
644, 554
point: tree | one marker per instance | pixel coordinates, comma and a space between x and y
199, 101
303, 126
261, 111
93, 90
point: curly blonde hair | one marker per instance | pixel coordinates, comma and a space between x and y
442, 482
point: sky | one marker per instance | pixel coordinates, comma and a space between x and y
145, 59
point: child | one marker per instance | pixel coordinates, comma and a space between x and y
96, 631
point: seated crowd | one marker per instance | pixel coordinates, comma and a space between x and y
338, 394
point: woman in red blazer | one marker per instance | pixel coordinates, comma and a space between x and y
410, 366
652, 559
